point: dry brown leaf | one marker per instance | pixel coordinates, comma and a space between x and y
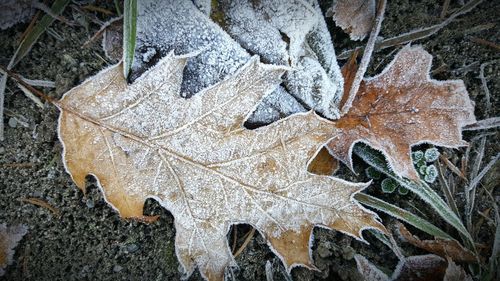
354, 17
455, 272
197, 160
402, 107
414, 268
368, 270
441, 247
9, 238
420, 268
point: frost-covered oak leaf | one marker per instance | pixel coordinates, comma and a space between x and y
198, 161
401, 107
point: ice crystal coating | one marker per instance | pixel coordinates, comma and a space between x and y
198, 161
291, 33
401, 107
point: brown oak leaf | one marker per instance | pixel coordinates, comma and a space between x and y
355, 17
401, 107
198, 161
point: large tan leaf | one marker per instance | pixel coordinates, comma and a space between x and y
197, 160
401, 107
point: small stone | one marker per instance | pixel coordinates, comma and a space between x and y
12, 122
2, 150
117, 268
90, 203
132, 248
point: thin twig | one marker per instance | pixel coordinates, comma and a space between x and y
485, 43
365, 60
41, 203
446, 189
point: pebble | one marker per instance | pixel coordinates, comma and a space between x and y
117, 268
2, 150
132, 248
12, 122
90, 203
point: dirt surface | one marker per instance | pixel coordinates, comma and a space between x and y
87, 240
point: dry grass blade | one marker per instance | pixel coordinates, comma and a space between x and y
419, 33
446, 5
446, 189
442, 247
453, 168
485, 124
39, 29
475, 181
43, 204
367, 54
248, 237
484, 85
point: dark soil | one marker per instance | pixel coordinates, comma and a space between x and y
89, 241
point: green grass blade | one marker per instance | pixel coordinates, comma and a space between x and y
31, 38
129, 34
421, 189
401, 214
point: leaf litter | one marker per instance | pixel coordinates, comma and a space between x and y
109, 129
195, 157
198, 161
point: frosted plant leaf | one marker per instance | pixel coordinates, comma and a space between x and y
290, 33
169, 25
9, 238
373, 173
431, 174
112, 40
422, 169
389, 185
431, 154
203, 5
309, 82
258, 30
368, 270
320, 43
277, 105
417, 156
401, 107
354, 16
403, 190
15, 11
198, 161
